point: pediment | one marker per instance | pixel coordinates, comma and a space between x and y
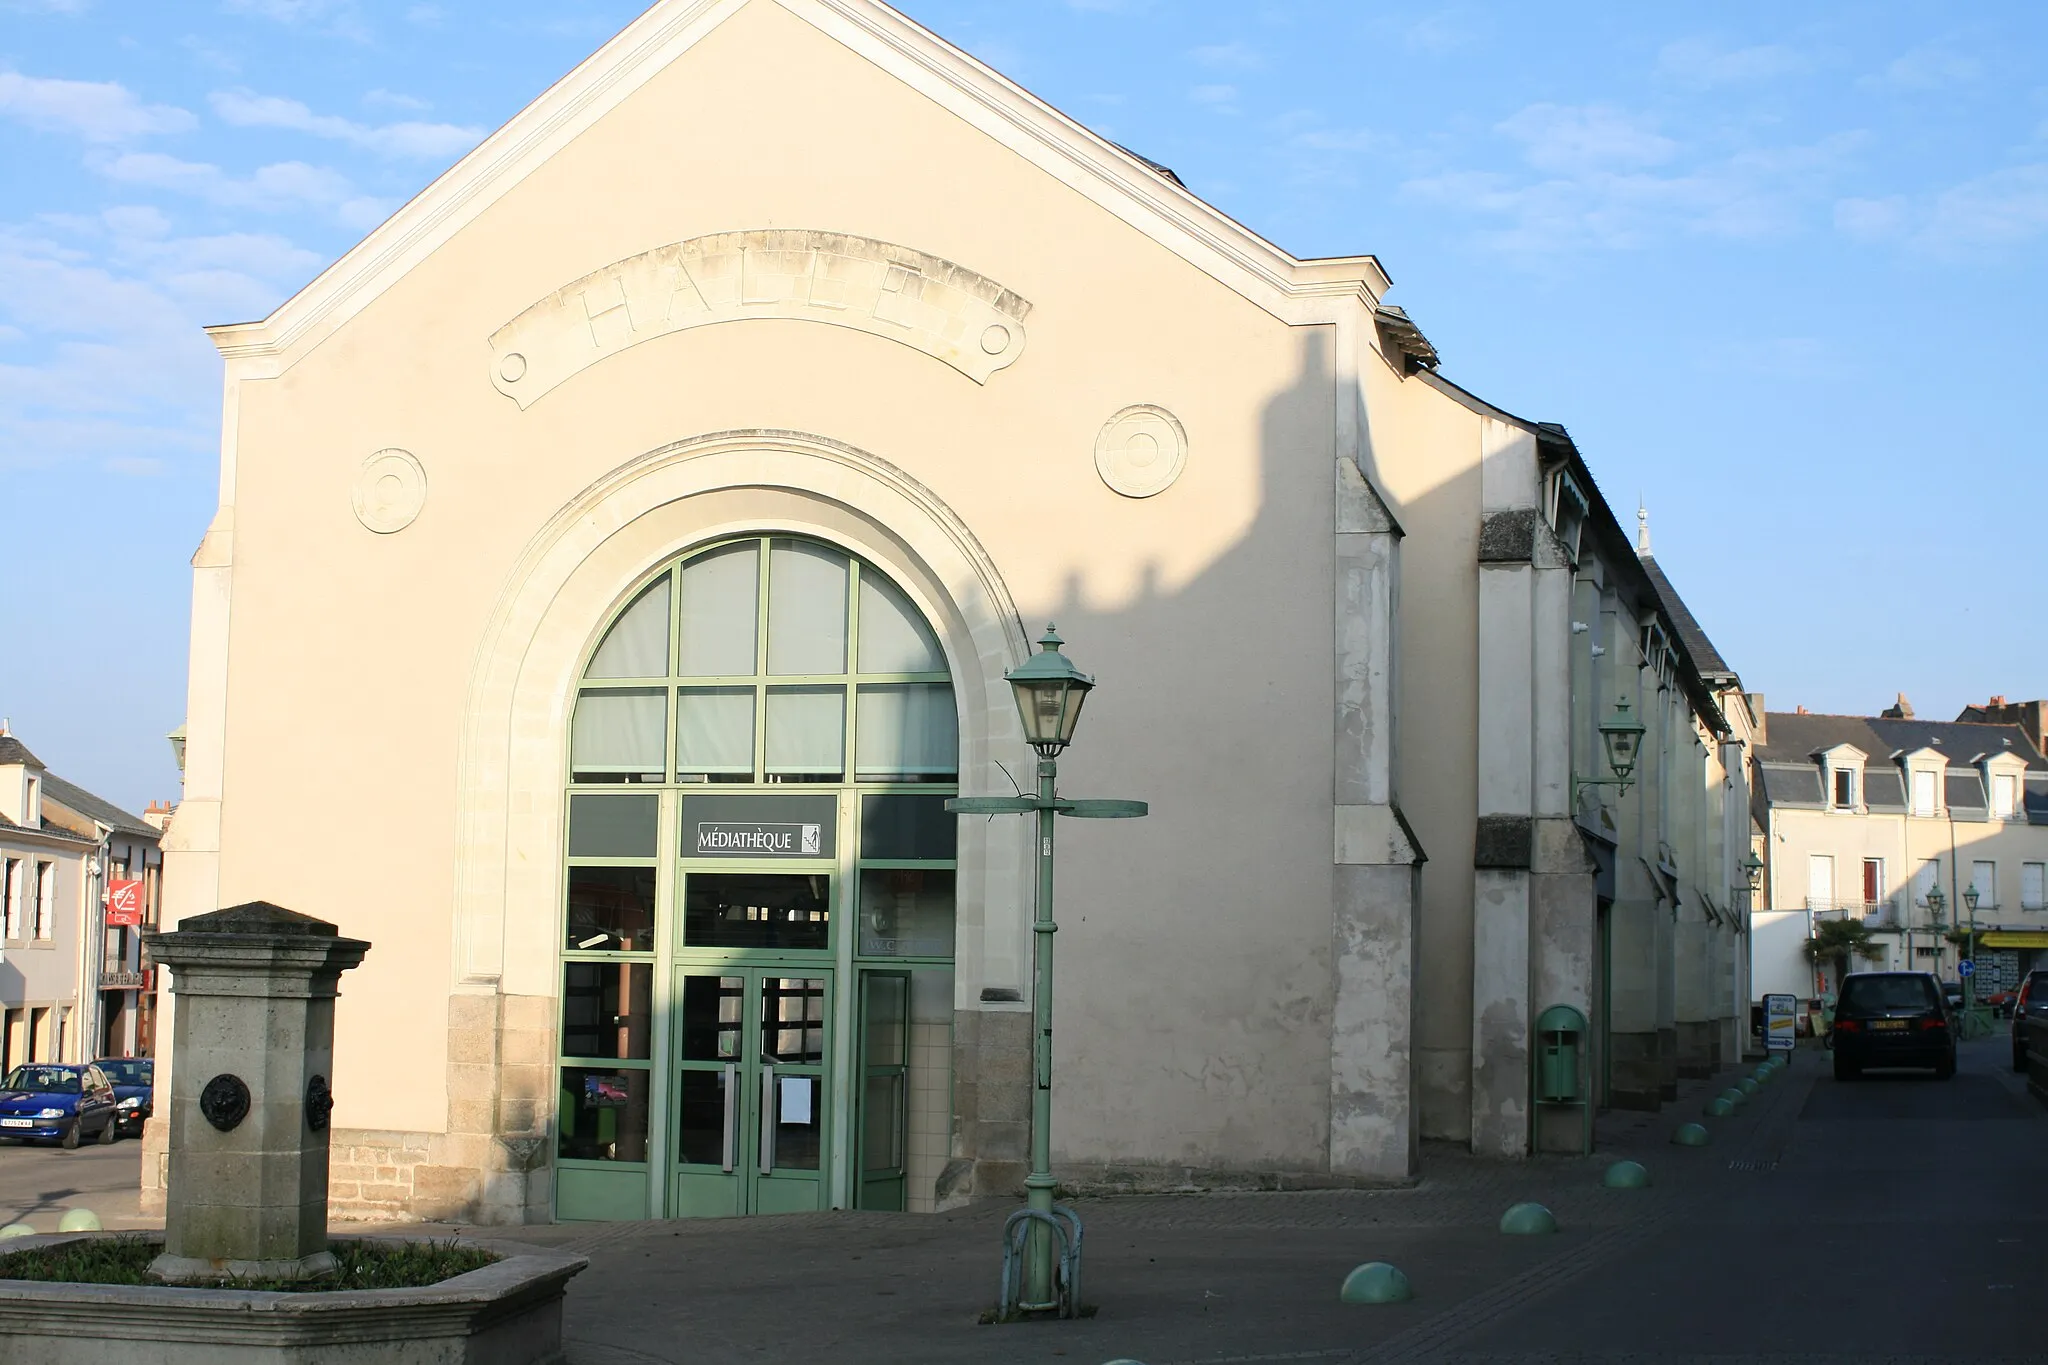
1292, 289
1841, 753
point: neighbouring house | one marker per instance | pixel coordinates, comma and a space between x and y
1866, 816
72, 983
674, 482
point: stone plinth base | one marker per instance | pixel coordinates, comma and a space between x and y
509, 1313
188, 1270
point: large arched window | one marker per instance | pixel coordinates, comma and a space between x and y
707, 678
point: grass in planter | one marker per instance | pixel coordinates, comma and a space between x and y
364, 1265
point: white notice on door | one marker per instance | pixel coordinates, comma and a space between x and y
794, 1101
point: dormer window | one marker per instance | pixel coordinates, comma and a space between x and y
1842, 777
2005, 795
32, 808
1924, 786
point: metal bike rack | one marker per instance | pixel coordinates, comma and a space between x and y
1062, 1222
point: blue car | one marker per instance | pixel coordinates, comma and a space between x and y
52, 1100
134, 1081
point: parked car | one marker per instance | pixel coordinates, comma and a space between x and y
58, 1102
1892, 1019
134, 1081
1999, 1002
1952, 995
2031, 1003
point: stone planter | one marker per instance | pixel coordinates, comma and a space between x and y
509, 1313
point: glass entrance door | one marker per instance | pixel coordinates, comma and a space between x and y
751, 1090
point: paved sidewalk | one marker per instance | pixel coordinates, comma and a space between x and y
1209, 1278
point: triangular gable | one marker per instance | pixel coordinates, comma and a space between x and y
1845, 750
1123, 184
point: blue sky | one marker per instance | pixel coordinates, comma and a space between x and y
1777, 267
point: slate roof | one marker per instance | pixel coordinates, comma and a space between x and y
1704, 656
1789, 784
75, 797
1796, 738
1884, 789
13, 750
48, 830
1791, 778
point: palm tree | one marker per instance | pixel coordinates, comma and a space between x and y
1836, 940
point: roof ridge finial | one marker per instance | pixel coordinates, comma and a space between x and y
1642, 526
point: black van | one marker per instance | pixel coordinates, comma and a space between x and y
1892, 1019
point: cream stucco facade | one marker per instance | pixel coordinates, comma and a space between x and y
798, 270
1866, 815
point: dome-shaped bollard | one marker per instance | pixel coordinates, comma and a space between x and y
1690, 1135
1528, 1220
79, 1220
1747, 1086
1734, 1097
13, 1230
1626, 1175
1375, 1282
1717, 1108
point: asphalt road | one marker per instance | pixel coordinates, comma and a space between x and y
1898, 1219
1895, 1219
38, 1182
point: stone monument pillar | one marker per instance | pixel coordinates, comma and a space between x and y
251, 1061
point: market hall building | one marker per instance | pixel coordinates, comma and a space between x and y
622, 549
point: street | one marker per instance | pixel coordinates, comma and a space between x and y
39, 1182
1898, 1218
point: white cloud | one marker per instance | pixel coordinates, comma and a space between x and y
337, 17
391, 99
98, 111
1703, 64
1221, 98
110, 309
1234, 56
423, 141
1440, 32
1601, 183
284, 185
1871, 220
1572, 139
2003, 208
1924, 68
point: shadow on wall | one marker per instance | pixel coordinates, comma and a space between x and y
1215, 703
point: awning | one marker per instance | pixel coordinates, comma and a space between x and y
2014, 938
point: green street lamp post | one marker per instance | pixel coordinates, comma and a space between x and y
1970, 982
1937, 904
1049, 692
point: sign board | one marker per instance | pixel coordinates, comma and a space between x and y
121, 981
761, 827
1780, 1012
124, 904
1966, 968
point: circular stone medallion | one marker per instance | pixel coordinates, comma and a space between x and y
225, 1101
390, 491
1141, 450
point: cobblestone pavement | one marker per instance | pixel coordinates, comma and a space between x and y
1892, 1220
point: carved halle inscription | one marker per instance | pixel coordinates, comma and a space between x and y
947, 311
